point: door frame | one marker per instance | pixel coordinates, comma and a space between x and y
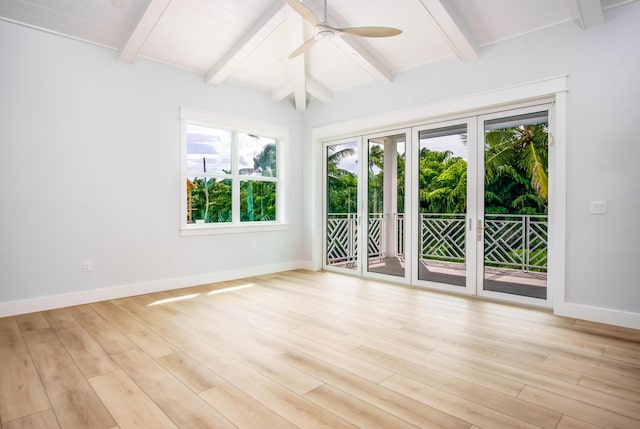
325, 266
470, 215
480, 179
548, 90
364, 211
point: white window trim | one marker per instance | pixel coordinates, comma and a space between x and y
281, 134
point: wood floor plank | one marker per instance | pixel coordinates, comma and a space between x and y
86, 352
192, 373
454, 405
232, 342
567, 422
393, 402
111, 339
118, 318
611, 387
73, 400
314, 350
128, 404
151, 343
32, 322
21, 391
442, 369
327, 336
527, 372
42, 420
182, 339
184, 407
629, 376
286, 375
242, 410
60, 318
625, 355
354, 410
577, 409
485, 396
296, 409
343, 360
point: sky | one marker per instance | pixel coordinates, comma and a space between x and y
454, 143
214, 145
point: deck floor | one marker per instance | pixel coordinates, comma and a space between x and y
508, 281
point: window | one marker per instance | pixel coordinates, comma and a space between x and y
232, 179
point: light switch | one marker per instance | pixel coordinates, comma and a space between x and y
598, 207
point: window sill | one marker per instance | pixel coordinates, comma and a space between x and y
211, 229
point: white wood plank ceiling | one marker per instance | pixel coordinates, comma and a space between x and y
248, 42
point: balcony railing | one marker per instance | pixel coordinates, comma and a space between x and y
510, 241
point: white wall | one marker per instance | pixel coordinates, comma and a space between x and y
90, 170
603, 150
89, 162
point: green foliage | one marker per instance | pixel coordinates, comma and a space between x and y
342, 185
211, 200
442, 182
257, 201
516, 165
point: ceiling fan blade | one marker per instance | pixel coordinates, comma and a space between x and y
371, 31
304, 12
303, 48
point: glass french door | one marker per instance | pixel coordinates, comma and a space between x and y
514, 205
481, 213
341, 217
386, 227
459, 205
365, 224
445, 206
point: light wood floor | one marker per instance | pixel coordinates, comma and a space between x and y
314, 350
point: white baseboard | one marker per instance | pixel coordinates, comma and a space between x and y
11, 308
598, 314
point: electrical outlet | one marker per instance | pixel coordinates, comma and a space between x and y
87, 266
598, 207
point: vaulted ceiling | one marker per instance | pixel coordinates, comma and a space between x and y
248, 42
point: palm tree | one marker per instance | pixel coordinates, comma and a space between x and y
443, 182
342, 184
519, 152
335, 154
265, 162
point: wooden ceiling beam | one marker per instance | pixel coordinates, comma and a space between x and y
297, 64
452, 29
152, 15
261, 29
283, 91
318, 90
587, 13
367, 61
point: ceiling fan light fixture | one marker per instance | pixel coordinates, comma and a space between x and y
324, 31
324, 34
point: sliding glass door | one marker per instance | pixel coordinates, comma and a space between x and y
460, 205
445, 208
341, 204
386, 224
514, 203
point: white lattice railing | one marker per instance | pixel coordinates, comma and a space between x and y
511, 241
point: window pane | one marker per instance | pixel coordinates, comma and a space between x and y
257, 201
208, 150
208, 200
256, 155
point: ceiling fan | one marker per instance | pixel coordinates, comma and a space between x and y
324, 31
